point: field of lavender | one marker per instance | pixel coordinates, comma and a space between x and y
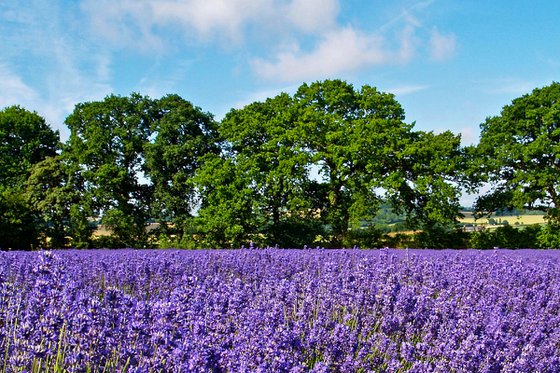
280, 310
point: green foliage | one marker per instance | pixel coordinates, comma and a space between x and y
386, 216
366, 238
359, 143
255, 190
105, 151
18, 230
294, 232
441, 236
226, 217
133, 158
483, 239
252, 177
182, 135
50, 193
350, 136
426, 179
506, 237
25, 139
549, 236
80, 229
519, 151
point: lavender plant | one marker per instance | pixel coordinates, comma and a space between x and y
280, 310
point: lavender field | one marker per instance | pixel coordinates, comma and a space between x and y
275, 310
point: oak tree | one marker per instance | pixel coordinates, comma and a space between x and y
520, 154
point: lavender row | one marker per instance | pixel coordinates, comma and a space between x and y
280, 310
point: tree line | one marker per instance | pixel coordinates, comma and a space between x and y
293, 170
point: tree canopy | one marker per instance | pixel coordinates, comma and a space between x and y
257, 185
315, 167
321, 162
519, 154
182, 135
25, 140
134, 158
351, 136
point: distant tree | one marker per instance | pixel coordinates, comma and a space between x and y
519, 154
182, 135
46, 193
105, 154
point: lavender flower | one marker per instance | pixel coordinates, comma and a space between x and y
274, 310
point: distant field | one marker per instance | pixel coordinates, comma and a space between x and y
521, 219
468, 219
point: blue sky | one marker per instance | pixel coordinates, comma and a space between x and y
450, 63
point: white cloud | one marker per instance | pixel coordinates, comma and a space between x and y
283, 28
342, 50
313, 16
408, 43
143, 24
46, 64
339, 51
207, 18
14, 91
442, 46
122, 22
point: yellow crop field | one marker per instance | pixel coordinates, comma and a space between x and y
521, 219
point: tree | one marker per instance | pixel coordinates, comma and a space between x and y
18, 230
425, 182
52, 193
182, 134
226, 218
262, 138
105, 154
25, 140
352, 137
519, 153
46, 193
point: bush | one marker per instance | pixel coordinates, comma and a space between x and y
482, 240
506, 237
293, 233
549, 237
440, 237
368, 237
18, 223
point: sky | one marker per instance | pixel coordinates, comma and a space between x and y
450, 63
